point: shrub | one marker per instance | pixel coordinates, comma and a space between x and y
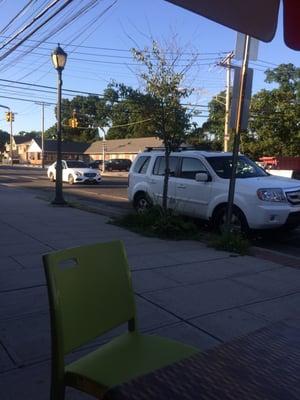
231, 241
155, 222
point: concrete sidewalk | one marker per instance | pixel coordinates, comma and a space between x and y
184, 290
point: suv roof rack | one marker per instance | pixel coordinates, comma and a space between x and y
179, 148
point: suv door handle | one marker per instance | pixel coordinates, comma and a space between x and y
152, 181
181, 187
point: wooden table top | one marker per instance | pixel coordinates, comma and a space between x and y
263, 365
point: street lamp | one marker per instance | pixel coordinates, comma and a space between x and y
59, 58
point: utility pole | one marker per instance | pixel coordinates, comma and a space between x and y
226, 62
43, 104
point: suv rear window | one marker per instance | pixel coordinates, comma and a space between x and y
160, 166
141, 165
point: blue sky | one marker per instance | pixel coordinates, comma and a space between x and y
106, 54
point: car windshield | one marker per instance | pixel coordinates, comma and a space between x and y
246, 168
76, 164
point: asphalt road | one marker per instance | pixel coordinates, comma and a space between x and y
111, 193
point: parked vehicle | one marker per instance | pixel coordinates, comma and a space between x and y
118, 164
75, 172
96, 164
199, 183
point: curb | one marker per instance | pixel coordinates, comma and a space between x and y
275, 256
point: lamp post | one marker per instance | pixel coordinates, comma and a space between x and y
59, 58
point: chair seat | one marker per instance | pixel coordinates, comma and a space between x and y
124, 358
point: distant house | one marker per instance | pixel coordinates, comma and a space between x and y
70, 151
20, 145
121, 148
29, 151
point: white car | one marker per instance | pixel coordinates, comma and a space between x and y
75, 172
198, 187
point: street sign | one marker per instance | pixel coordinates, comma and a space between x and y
239, 48
235, 97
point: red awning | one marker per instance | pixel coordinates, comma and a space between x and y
291, 18
257, 18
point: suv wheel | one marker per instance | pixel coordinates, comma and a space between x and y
142, 203
51, 177
71, 179
239, 222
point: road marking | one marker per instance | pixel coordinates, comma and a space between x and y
28, 177
8, 177
108, 196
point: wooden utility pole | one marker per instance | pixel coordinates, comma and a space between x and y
226, 62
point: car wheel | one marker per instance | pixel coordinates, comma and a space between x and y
51, 177
71, 179
239, 222
142, 203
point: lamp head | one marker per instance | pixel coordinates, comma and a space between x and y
59, 58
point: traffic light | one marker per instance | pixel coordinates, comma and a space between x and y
73, 122
9, 116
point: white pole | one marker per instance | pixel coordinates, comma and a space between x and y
103, 149
43, 131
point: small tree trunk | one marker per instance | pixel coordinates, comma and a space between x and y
166, 180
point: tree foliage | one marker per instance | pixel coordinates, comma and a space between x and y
216, 120
275, 115
122, 111
164, 84
130, 113
30, 134
4, 138
274, 125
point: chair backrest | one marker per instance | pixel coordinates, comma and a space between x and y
90, 292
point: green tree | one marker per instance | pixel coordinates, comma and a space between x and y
31, 134
275, 115
4, 138
216, 120
164, 83
130, 114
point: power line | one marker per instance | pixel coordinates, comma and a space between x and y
36, 18
16, 16
122, 50
67, 2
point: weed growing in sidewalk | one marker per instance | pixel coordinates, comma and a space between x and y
231, 241
165, 225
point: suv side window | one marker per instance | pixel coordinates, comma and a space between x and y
190, 167
160, 166
141, 165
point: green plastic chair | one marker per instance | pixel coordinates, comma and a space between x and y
90, 293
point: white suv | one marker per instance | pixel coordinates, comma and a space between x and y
74, 171
199, 183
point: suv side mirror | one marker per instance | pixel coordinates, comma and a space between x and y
202, 177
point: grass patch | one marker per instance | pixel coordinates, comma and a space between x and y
154, 222
232, 242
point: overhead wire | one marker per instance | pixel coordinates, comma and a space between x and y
95, 20
8, 52
4, 29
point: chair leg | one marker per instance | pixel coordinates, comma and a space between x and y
57, 392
